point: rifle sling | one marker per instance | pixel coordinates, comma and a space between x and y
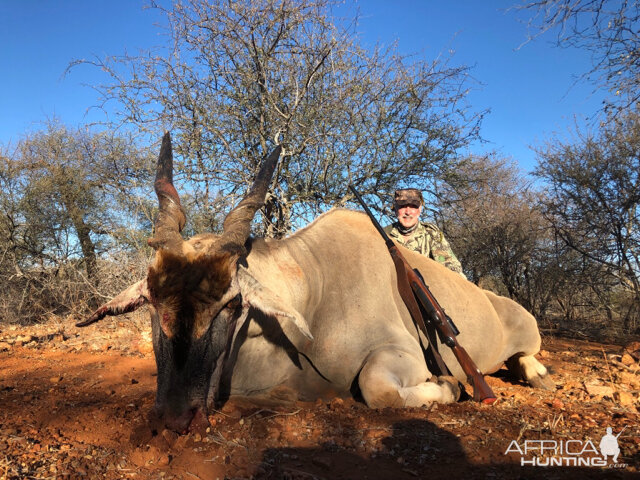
434, 360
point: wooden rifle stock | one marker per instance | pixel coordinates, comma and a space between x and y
481, 390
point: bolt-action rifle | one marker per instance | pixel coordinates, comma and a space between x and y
412, 288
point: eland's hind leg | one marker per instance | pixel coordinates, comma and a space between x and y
527, 368
393, 377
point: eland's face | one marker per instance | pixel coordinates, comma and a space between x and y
194, 308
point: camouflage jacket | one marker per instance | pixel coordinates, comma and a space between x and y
428, 240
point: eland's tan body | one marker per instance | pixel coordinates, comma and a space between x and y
311, 316
337, 274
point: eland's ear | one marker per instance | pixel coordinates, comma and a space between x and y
270, 303
126, 301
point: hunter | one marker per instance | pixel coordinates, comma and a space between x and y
422, 237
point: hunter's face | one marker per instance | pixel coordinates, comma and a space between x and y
408, 215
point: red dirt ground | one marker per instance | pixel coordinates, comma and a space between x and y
74, 404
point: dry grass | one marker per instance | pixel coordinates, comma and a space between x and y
36, 294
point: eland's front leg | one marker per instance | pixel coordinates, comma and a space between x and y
393, 377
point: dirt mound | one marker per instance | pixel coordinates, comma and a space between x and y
74, 404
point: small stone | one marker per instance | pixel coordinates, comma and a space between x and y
630, 379
22, 339
626, 398
557, 404
235, 414
570, 385
170, 436
599, 390
627, 360
144, 347
634, 350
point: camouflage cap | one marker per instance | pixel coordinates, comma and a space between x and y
408, 196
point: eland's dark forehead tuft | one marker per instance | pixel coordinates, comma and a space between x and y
183, 285
175, 274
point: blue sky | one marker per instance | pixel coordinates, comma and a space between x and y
531, 91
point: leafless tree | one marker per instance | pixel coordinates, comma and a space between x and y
593, 197
609, 29
235, 77
498, 226
490, 215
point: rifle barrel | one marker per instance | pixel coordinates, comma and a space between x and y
373, 219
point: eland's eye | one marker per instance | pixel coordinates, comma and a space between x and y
234, 303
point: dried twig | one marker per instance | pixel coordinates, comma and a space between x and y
554, 423
619, 364
262, 410
606, 362
5, 464
276, 414
218, 438
523, 429
221, 413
